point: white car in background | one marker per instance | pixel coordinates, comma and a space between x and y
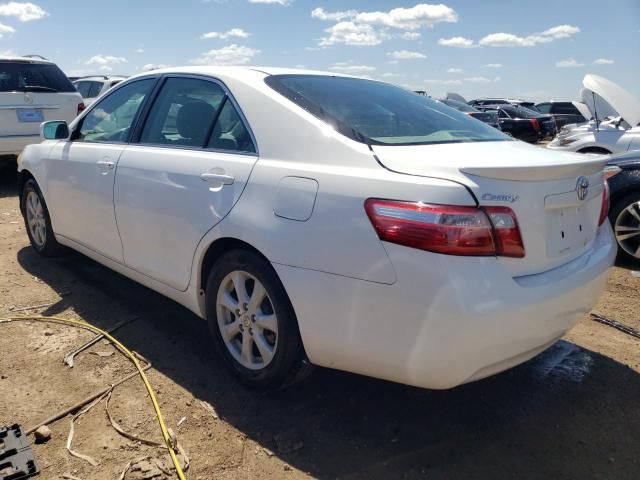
621, 131
309, 215
92, 87
32, 90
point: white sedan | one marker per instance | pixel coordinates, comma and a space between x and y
310, 217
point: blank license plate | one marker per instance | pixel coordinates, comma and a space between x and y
29, 115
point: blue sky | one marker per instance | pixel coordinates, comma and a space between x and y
536, 50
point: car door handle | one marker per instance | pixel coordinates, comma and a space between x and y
217, 177
105, 165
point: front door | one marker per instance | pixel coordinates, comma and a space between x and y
81, 171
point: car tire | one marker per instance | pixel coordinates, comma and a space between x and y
622, 220
259, 339
37, 221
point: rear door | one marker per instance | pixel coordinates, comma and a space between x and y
189, 167
31, 93
81, 172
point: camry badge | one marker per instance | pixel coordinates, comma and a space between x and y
500, 197
582, 187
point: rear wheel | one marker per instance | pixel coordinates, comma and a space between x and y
625, 218
38, 222
252, 320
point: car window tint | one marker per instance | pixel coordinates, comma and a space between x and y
95, 88
544, 107
183, 113
111, 118
379, 113
230, 132
83, 88
565, 108
503, 114
25, 76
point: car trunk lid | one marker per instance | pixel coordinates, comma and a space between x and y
540, 186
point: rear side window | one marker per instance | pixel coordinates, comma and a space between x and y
564, 108
544, 107
195, 113
94, 89
83, 88
379, 113
33, 77
183, 114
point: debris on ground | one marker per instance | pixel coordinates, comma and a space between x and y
42, 434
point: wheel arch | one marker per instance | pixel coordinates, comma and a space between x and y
217, 248
23, 176
594, 149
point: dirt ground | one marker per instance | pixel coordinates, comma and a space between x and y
571, 413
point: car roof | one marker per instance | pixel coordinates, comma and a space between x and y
27, 59
101, 77
242, 73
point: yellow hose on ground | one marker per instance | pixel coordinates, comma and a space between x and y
132, 357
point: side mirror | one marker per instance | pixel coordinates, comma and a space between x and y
55, 130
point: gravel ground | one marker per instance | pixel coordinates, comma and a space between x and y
572, 412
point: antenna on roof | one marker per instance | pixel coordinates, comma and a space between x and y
33, 55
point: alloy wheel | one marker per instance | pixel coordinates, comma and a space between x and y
627, 229
247, 320
35, 219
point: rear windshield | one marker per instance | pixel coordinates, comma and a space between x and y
379, 113
521, 112
33, 77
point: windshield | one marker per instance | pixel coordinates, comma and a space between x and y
379, 113
33, 77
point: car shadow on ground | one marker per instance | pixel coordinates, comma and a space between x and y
8, 178
569, 413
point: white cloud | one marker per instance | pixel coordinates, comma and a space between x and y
459, 42
321, 14
502, 39
406, 55
139, 50
454, 70
105, 62
348, 67
25, 12
371, 28
569, 63
351, 33
410, 36
284, 3
6, 29
603, 61
477, 80
154, 66
234, 32
392, 75
229, 55
493, 65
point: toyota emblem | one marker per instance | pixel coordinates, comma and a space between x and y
582, 187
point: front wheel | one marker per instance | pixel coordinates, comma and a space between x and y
38, 222
252, 320
625, 219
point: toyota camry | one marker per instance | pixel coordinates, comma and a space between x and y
320, 219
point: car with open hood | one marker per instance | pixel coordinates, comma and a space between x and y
315, 218
619, 134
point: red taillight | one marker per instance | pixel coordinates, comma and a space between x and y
447, 229
535, 124
81, 107
604, 209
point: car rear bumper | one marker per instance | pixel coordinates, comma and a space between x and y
13, 145
447, 320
